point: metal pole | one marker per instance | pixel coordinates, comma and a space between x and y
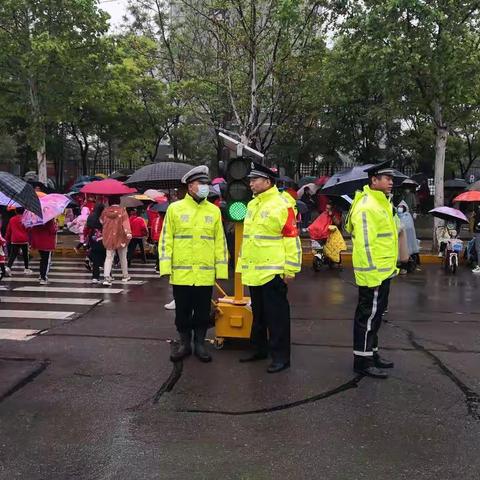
238, 286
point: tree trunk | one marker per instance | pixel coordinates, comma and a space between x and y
441, 137
42, 162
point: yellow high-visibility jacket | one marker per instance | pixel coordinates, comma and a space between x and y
271, 245
374, 236
192, 247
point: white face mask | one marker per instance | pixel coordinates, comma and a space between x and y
202, 191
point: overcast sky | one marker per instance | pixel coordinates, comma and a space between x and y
116, 9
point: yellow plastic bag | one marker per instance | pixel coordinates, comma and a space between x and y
335, 244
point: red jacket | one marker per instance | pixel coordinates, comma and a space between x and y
157, 225
16, 231
138, 227
44, 237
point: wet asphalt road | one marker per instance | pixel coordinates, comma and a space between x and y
97, 398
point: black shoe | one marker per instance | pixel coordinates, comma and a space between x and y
199, 345
184, 349
278, 367
382, 362
373, 372
257, 356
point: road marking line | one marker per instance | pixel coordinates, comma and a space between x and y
83, 269
87, 274
51, 300
20, 335
44, 315
65, 280
68, 290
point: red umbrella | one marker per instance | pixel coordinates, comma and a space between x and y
322, 180
109, 186
471, 196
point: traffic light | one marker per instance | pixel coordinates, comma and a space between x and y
238, 192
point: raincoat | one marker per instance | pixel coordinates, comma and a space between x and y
374, 237
409, 227
192, 247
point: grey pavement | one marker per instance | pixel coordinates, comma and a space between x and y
94, 395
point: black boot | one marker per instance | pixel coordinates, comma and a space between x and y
184, 348
380, 362
199, 344
365, 366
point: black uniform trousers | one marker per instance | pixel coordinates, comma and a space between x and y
192, 307
271, 319
372, 303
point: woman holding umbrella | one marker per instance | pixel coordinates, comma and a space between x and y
44, 239
93, 235
116, 237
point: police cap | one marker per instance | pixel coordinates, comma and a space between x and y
259, 170
383, 168
200, 173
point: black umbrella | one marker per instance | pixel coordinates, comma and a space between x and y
352, 179
159, 175
122, 174
456, 183
21, 192
160, 207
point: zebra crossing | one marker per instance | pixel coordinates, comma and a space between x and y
28, 309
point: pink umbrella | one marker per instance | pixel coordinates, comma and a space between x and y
52, 206
109, 186
218, 180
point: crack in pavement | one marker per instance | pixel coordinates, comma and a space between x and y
353, 383
26, 380
472, 398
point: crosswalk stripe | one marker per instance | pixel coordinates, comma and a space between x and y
69, 290
81, 267
18, 334
51, 300
84, 271
44, 314
65, 280
87, 274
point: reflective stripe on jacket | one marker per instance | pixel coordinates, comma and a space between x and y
374, 237
271, 245
192, 247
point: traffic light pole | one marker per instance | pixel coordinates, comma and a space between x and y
238, 286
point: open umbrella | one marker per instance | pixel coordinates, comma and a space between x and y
304, 180
218, 180
409, 183
312, 187
160, 207
354, 178
109, 186
52, 206
449, 214
122, 174
471, 196
155, 195
130, 202
7, 201
474, 186
159, 175
456, 183
20, 191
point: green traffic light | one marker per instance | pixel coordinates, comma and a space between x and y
237, 211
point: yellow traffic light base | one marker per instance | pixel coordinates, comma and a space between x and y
233, 314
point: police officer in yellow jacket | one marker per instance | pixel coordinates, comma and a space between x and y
270, 257
193, 251
375, 251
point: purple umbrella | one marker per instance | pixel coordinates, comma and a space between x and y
449, 214
52, 206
